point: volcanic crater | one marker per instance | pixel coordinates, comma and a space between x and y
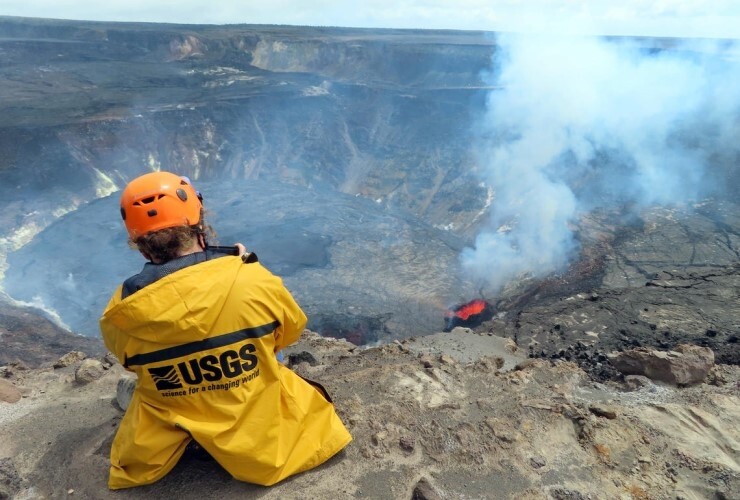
355, 182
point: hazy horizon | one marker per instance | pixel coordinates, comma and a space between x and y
670, 18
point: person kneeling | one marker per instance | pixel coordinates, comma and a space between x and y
201, 328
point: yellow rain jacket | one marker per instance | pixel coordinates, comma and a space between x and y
202, 342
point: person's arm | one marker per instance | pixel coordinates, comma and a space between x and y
292, 320
112, 339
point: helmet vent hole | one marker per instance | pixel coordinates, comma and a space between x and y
152, 212
123, 213
148, 200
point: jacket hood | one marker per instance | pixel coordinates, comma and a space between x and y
180, 307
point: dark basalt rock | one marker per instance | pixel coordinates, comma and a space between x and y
651, 293
30, 339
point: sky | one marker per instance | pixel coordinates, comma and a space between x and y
673, 18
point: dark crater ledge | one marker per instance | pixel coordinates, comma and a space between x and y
667, 277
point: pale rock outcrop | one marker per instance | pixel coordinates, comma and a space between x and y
684, 366
89, 371
9, 393
186, 46
70, 358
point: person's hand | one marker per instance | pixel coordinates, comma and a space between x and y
242, 248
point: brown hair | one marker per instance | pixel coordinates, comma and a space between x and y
167, 244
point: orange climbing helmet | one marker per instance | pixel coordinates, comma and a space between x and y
159, 200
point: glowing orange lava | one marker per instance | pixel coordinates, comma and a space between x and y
465, 311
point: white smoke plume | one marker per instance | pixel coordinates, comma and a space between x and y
579, 123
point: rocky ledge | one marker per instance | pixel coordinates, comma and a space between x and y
451, 415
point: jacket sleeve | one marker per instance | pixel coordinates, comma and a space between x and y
114, 341
292, 320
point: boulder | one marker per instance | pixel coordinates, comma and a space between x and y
69, 359
603, 411
89, 371
109, 360
125, 391
9, 393
537, 462
425, 491
636, 382
407, 443
686, 365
